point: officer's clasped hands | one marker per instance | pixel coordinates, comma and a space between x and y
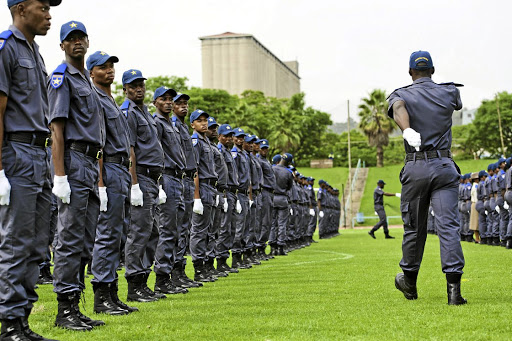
5, 189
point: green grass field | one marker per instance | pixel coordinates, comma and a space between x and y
338, 289
390, 175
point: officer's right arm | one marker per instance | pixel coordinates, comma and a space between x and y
132, 133
57, 127
400, 115
6, 56
3, 105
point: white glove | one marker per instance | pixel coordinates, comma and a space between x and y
238, 207
198, 207
321, 214
486, 213
103, 199
5, 189
412, 137
312, 212
250, 203
398, 195
61, 188
505, 205
225, 205
136, 196
291, 211
162, 197
217, 199
497, 209
432, 212
375, 212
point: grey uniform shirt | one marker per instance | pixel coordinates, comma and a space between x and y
220, 167
170, 138
78, 103
186, 144
117, 140
23, 79
143, 135
204, 156
256, 173
430, 107
243, 166
284, 179
269, 178
378, 195
230, 164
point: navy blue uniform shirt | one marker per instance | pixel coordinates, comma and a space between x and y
243, 166
186, 144
220, 167
269, 178
170, 138
284, 179
143, 135
204, 156
256, 173
378, 195
23, 79
230, 164
116, 127
430, 107
77, 102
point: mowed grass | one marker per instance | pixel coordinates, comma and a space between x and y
390, 175
338, 289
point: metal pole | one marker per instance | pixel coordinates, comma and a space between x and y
499, 123
349, 166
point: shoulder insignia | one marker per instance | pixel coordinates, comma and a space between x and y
452, 83
234, 152
195, 139
3, 37
58, 76
219, 146
124, 107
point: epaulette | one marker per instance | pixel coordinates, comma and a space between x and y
173, 119
219, 146
194, 139
57, 78
289, 170
124, 107
234, 152
403, 87
3, 37
452, 83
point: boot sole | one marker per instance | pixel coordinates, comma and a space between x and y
406, 295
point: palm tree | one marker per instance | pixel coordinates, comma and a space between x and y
375, 123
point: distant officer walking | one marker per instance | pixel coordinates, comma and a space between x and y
378, 206
423, 110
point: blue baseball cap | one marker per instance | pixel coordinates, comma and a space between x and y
212, 122
482, 173
11, 3
381, 182
69, 27
491, 167
180, 95
225, 129
420, 60
162, 91
276, 159
321, 181
100, 58
501, 160
311, 178
239, 132
250, 138
264, 143
196, 114
288, 157
132, 75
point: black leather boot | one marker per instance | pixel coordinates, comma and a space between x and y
237, 261
184, 277
389, 236
281, 251
211, 269
103, 303
29, 333
87, 320
509, 244
163, 285
135, 291
251, 258
263, 254
200, 274
67, 316
454, 296
274, 251
144, 286
12, 331
372, 234
115, 298
403, 284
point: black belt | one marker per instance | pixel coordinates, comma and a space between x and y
431, 154
243, 191
87, 149
154, 173
35, 139
211, 182
294, 201
268, 190
173, 172
256, 191
118, 159
221, 188
189, 173
232, 189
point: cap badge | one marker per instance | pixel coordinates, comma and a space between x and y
134, 72
73, 25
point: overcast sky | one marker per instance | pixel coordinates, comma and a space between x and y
345, 48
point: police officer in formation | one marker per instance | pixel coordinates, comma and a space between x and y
122, 174
329, 208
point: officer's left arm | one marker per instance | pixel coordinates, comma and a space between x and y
100, 179
57, 128
3, 105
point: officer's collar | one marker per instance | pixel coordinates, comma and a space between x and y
18, 34
132, 104
73, 70
423, 80
100, 92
